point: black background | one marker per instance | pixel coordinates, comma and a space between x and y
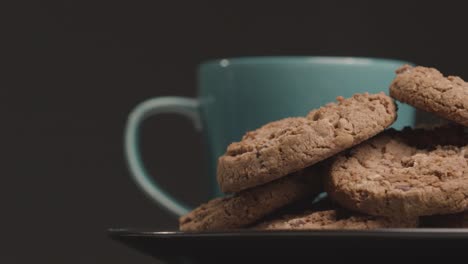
74, 69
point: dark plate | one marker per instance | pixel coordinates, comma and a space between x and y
236, 246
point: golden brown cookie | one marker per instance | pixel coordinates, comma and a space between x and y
247, 207
428, 90
335, 219
409, 173
282, 147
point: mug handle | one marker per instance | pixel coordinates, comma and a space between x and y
188, 107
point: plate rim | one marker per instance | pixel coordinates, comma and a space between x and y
387, 232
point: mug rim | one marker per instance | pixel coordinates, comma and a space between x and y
324, 60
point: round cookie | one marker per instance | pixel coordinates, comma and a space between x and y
409, 173
459, 220
428, 90
335, 219
247, 207
282, 147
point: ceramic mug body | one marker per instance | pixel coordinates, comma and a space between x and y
241, 94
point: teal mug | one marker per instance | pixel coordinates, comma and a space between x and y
240, 94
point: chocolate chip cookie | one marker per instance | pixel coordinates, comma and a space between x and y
282, 147
459, 220
335, 219
428, 90
247, 207
408, 173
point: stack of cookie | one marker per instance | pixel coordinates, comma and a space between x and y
376, 177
